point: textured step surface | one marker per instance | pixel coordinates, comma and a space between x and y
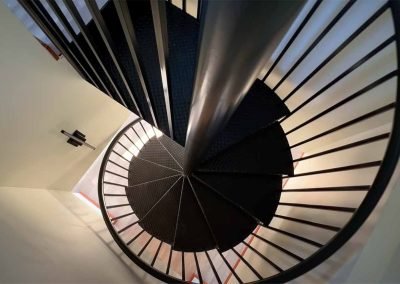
265, 152
183, 33
97, 42
258, 195
200, 212
125, 60
161, 220
143, 171
176, 150
147, 51
259, 108
229, 224
144, 196
151, 151
192, 233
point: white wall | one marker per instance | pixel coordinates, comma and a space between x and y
38, 97
379, 259
50, 236
191, 6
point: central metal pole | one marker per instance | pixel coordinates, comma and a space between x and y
237, 39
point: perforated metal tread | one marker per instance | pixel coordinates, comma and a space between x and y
151, 152
200, 212
259, 108
229, 224
176, 150
210, 214
144, 196
265, 152
124, 58
259, 195
161, 221
106, 59
183, 33
147, 52
143, 171
192, 233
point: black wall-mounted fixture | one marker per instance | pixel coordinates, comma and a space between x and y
77, 139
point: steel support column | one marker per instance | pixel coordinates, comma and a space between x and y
237, 38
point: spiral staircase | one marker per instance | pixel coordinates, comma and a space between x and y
233, 217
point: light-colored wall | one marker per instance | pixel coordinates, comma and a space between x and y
38, 97
379, 259
191, 6
50, 236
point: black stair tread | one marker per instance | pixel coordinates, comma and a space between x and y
183, 33
173, 148
265, 152
75, 50
161, 221
144, 196
259, 108
192, 233
101, 49
147, 52
141, 171
153, 151
124, 58
229, 224
259, 195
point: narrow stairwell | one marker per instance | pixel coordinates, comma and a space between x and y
294, 173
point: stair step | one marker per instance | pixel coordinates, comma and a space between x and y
265, 152
192, 233
183, 33
176, 150
147, 52
259, 195
143, 171
229, 224
110, 17
259, 108
154, 152
144, 196
124, 58
160, 222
